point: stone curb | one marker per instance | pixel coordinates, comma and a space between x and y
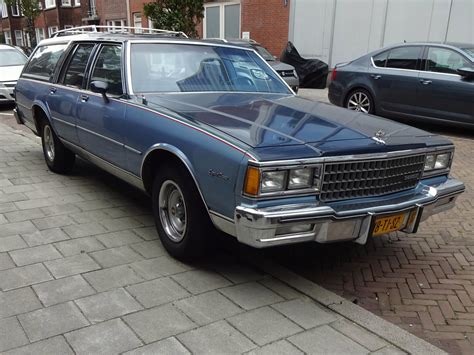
391, 333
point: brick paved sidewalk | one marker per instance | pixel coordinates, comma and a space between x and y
82, 271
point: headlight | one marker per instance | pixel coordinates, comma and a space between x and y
438, 161
287, 180
300, 178
273, 181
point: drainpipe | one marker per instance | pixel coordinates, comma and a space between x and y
129, 20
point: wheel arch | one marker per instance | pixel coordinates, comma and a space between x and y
164, 153
39, 111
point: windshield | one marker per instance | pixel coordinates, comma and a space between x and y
10, 57
469, 51
164, 67
264, 53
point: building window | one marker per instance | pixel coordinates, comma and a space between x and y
49, 4
77, 3
40, 5
8, 37
137, 22
222, 20
51, 30
19, 38
27, 38
16, 9
115, 25
39, 34
4, 10
66, 3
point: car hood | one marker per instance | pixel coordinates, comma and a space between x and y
268, 120
278, 66
10, 73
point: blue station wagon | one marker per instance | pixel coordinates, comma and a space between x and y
220, 141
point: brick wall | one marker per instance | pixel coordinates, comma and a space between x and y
112, 10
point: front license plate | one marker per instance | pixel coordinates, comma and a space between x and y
388, 224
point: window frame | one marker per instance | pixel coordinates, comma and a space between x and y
15, 9
8, 39
67, 61
66, 3
50, 30
93, 61
221, 6
19, 34
425, 59
419, 61
37, 31
49, 4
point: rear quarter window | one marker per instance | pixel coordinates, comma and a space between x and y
43, 62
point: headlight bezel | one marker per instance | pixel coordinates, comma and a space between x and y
431, 169
315, 181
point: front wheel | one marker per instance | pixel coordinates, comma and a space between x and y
58, 158
181, 219
360, 100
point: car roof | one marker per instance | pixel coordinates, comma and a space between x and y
458, 45
6, 46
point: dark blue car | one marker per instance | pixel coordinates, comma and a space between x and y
416, 81
220, 141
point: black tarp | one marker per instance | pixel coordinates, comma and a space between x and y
312, 72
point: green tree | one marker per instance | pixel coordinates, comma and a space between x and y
30, 10
175, 15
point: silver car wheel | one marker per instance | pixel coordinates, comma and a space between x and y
49, 143
172, 211
359, 101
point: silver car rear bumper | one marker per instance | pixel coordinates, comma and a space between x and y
344, 221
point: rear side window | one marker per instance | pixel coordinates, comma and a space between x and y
380, 59
75, 72
404, 57
44, 61
108, 68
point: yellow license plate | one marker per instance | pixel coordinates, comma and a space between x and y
388, 224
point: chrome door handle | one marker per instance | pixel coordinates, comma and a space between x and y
425, 82
376, 76
52, 90
84, 98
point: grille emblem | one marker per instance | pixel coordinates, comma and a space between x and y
378, 136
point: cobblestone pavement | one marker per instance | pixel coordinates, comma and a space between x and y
423, 282
82, 271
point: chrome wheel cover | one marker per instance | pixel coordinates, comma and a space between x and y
49, 143
359, 101
172, 211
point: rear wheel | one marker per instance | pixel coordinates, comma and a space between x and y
361, 101
58, 158
181, 219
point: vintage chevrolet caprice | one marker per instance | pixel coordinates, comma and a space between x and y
219, 140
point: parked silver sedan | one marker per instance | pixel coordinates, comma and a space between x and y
11, 64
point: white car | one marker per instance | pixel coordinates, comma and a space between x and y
11, 64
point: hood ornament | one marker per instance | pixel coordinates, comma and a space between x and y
378, 136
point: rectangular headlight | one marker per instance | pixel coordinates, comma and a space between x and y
300, 178
273, 181
437, 161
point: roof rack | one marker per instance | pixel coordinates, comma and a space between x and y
113, 29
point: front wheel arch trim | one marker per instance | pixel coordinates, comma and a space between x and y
168, 150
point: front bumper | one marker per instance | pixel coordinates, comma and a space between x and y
342, 221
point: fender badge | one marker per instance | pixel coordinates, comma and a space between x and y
218, 174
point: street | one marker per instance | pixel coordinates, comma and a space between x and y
82, 264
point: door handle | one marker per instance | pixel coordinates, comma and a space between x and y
376, 76
84, 98
52, 90
425, 82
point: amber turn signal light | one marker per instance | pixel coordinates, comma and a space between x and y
252, 181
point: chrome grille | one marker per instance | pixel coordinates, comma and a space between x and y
344, 180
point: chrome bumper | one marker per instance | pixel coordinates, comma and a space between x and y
342, 221
6, 94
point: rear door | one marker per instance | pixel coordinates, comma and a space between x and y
394, 75
443, 93
64, 96
100, 122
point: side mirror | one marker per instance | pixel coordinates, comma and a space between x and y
467, 73
100, 87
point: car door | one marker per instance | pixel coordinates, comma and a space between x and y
101, 120
442, 92
394, 75
64, 95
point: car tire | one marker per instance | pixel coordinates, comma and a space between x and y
360, 100
58, 158
181, 218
